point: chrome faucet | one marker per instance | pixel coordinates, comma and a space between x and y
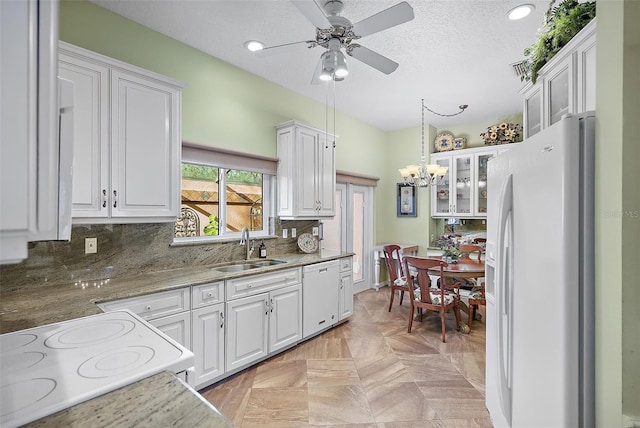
244, 240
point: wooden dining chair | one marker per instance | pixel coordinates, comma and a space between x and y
479, 241
475, 301
397, 278
467, 249
425, 296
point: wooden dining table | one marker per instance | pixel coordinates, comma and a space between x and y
463, 268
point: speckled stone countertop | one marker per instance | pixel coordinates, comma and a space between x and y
33, 307
161, 400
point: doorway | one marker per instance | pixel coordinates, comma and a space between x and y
351, 230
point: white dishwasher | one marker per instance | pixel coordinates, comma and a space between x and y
320, 297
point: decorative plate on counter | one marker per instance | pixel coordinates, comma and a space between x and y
443, 142
308, 243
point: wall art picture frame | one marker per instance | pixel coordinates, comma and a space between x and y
406, 200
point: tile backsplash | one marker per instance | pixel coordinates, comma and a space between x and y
127, 250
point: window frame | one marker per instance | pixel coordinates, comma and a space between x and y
225, 160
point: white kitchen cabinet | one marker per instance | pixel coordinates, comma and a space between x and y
464, 192
177, 327
208, 343
453, 198
306, 171
28, 125
320, 297
264, 315
345, 291
127, 140
169, 311
565, 85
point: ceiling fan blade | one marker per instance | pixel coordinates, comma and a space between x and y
373, 59
313, 12
283, 48
395, 15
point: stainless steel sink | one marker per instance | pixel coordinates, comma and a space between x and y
249, 265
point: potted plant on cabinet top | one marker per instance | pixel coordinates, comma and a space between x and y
561, 23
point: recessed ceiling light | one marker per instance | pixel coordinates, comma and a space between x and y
254, 45
520, 12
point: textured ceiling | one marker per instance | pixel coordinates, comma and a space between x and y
454, 52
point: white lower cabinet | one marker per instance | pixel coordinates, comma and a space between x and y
345, 302
320, 297
177, 327
208, 343
261, 324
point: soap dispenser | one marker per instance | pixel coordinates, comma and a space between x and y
262, 251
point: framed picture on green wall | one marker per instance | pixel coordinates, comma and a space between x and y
406, 200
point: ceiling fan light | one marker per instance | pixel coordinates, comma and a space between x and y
328, 66
341, 65
254, 45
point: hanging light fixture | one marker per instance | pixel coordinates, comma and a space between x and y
334, 64
423, 175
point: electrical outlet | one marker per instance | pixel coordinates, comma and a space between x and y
293, 232
90, 245
315, 231
285, 233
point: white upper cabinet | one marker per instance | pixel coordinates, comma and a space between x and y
127, 140
306, 171
565, 85
464, 191
29, 154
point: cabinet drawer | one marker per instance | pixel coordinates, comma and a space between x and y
250, 285
345, 264
207, 294
154, 305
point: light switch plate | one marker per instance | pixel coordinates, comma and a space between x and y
90, 245
315, 231
285, 233
294, 233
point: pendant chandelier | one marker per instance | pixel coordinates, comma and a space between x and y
423, 175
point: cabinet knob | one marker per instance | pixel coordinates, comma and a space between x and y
210, 294
148, 307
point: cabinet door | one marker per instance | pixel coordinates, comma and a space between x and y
247, 330
208, 343
285, 319
533, 111
90, 135
586, 56
177, 327
481, 190
345, 306
461, 197
326, 176
307, 185
440, 202
145, 147
559, 91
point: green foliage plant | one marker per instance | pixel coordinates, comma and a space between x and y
562, 22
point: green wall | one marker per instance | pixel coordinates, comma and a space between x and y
617, 214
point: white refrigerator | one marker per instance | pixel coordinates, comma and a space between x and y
540, 279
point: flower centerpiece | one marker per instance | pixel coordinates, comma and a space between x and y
452, 252
503, 133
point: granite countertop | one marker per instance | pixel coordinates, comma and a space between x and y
21, 309
161, 400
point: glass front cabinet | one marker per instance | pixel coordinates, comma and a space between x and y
464, 191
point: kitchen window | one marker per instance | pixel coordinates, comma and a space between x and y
223, 192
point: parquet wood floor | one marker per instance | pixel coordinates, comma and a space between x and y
366, 373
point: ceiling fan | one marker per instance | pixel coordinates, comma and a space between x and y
336, 33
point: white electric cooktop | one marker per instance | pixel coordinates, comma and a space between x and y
46, 369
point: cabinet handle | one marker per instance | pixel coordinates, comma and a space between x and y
221, 319
266, 304
341, 283
104, 198
271, 305
115, 199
